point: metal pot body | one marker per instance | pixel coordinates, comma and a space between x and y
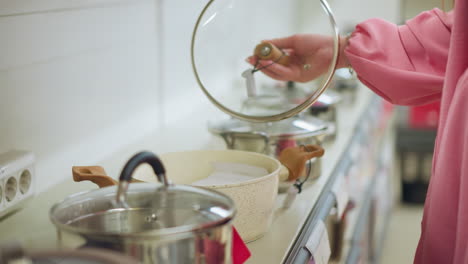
208, 246
254, 199
158, 224
274, 138
259, 143
265, 144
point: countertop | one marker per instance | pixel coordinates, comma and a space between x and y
31, 225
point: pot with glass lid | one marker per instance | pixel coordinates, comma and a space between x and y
265, 116
155, 223
272, 138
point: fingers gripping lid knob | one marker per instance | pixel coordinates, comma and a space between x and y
268, 51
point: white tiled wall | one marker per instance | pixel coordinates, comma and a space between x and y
351, 12
80, 79
410, 8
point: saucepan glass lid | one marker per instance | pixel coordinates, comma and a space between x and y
228, 31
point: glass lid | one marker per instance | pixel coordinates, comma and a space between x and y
150, 207
228, 32
297, 126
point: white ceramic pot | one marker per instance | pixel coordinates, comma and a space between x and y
254, 199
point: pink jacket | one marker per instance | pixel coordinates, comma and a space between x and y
420, 62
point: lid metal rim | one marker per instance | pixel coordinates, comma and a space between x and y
272, 174
307, 103
318, 132
148, 233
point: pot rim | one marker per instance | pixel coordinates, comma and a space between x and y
147, 234
272, 136
316, 134
274, 173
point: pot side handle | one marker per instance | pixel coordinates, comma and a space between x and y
95, 174
295, 158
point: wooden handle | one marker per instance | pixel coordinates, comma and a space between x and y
268, 51
96, 174
313, 151
295, 158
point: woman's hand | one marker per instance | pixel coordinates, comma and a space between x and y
310, 57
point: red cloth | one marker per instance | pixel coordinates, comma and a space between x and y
240, 252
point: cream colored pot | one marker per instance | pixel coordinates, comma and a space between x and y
254, 199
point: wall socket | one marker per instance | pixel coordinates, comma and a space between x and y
17, 180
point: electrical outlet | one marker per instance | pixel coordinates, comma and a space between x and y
17, 180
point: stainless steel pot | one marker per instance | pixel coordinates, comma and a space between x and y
204, 52
272, 138
325, 108
155, 223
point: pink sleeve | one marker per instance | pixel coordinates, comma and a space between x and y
404, 64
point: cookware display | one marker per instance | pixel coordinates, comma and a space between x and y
254, 197
325, 108
272, 138
266, 115
229, 82
181, 223
155, 223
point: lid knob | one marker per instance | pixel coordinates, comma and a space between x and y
265, 50
268, 51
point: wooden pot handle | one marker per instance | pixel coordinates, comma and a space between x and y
295, 158
96, 174
313, 151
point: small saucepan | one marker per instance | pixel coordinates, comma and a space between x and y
153, 222
274, 138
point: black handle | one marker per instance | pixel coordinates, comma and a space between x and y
140, 158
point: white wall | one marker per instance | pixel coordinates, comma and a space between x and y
78, 79
352, 12
349, 13
81, 79
411, 8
